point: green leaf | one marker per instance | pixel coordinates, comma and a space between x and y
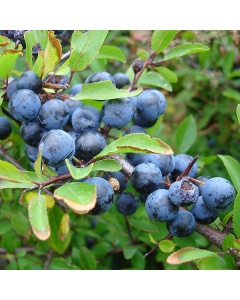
61, 264
64, 227
38, 165
155, 79
142, 225
11, 177
238, 113
79, 196
64, 69
135, 143
228, 242
167, 74
103, 90
38, 217
106, 165
186, 134
228, 62
161, 39
233, 169
85, 47
213, 263
4, 41
143, 54
166, 246
111, 53
8, 60
52, 54
87, 259
98, 65
188, 254
236, 216
232, 94
55, 216
138, 261
186, 49
30, 41
129, 251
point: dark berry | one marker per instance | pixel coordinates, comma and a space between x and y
126, 204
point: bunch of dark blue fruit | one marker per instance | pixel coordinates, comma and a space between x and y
66, 129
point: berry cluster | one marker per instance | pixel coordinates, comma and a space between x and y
67, 129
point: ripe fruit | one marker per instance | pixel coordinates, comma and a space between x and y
100, 76
89, 144
5, 128
54, 114
32, 132
121, 80
218, 193
105, 195
117, 113
57, 145
86, 118
126, 204
183, 192
31, 81
182, 225
159, 207
75, 89
24, 105
181, 163
165, 162
146, 178
202, 213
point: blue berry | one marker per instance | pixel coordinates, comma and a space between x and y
182, 225
159, 207
5, 128
32, 132
181, 163
121, 80
165, 162
183, 192
202, 213
75, 89
100, 76
31, 81
126, 204
218, 193
105, 194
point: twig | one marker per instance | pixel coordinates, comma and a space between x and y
129, 230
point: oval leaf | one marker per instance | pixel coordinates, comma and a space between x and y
79, 196
85, 47
111, 53
166, 246
87, 259
213, 263
135, 143
64, 227
142, 225
103, 90
161, 39
38, 217
186, 49
233, 169
167, 74
4, 41
8, 60
188, 254
232, 94
143, 54
186, 134
156, 80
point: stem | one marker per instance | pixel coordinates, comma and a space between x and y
11, 160
154, 249
189, 167
129, 230
55, 86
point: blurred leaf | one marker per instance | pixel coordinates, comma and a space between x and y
236, 216
38, 217
79, 196
30, 41
129, 251
152, 239
155, 79
232, 94
142, 225
238, 113
138, 261
143, 54
111, 53
9, 241
52, 54
87, 259
5, 226
228, 62
8, 60
186, 134
61, 264
233, 169
55, 216
47, 171
135, 143
166, 246
64, 227
213, 263
4, 41
188, 254
161, 39
85, 47
185, 49
167, 74
103, 90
